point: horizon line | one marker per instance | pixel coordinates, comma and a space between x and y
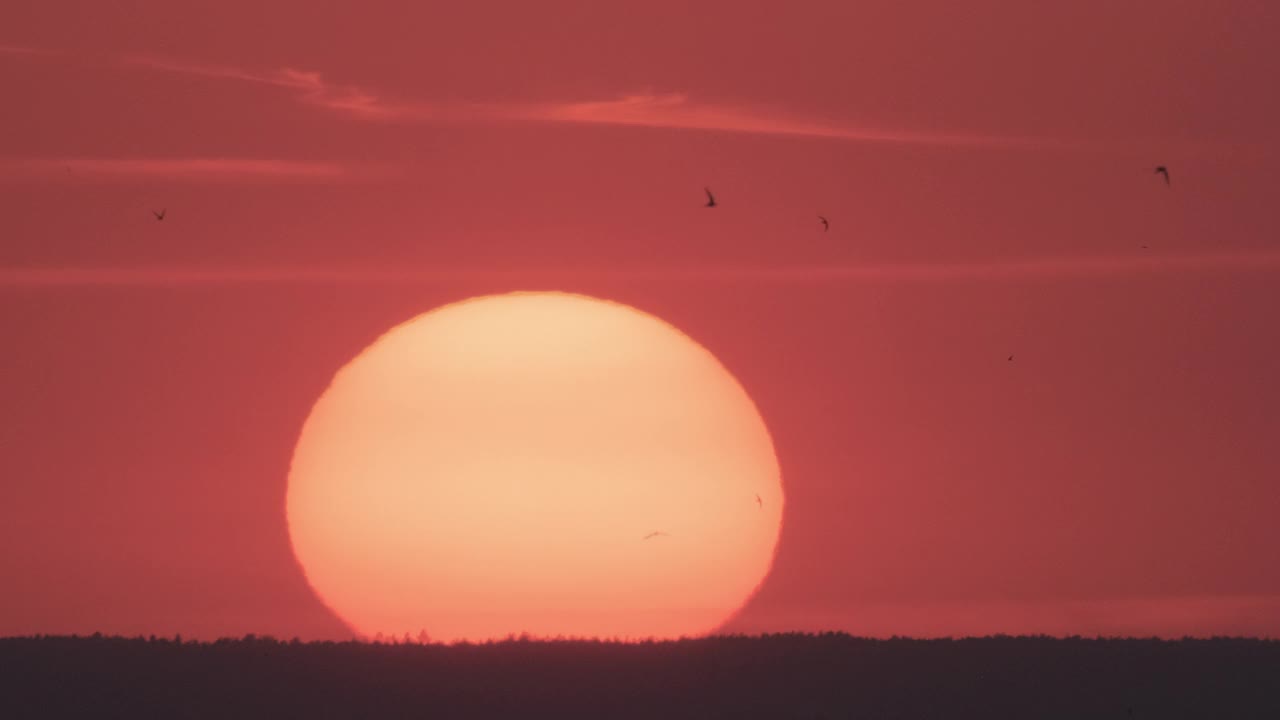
190, 168
527, 638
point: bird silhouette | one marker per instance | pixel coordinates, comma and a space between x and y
759, 502
825, 225
159, 215
711, 199
654, 534
1162, 170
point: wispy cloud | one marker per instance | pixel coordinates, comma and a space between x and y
668, 111
195, 277
1148, 262
308, 87
23, 50
1171, 616
679, 111
672, 110
188, 169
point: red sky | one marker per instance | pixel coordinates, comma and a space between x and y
987, 169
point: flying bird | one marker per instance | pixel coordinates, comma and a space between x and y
759, 501
654, 534
160, 215
825, 225
1162, 170
711, 199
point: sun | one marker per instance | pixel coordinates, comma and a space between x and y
539, 463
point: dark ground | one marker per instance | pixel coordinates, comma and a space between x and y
777, 676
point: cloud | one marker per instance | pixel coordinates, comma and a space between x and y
191, 169
356, 276
1169, 616
669, 111
309, 87
21, 50
1148, 262
678, 111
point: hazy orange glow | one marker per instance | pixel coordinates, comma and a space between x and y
494, 467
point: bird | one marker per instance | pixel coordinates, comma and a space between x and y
654, 534
160, 215
759, 501
825, 225
711, 199
1162, 170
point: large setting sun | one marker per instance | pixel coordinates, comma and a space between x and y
538, 463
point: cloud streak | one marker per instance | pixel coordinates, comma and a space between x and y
27, 51
198, 277
1170, 617
213, 169
672, 111
679, 111
308, 87
669, 111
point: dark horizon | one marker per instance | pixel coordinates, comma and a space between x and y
1021, 384
528, 638
778, 676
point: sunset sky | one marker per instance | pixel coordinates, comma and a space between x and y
329, 172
